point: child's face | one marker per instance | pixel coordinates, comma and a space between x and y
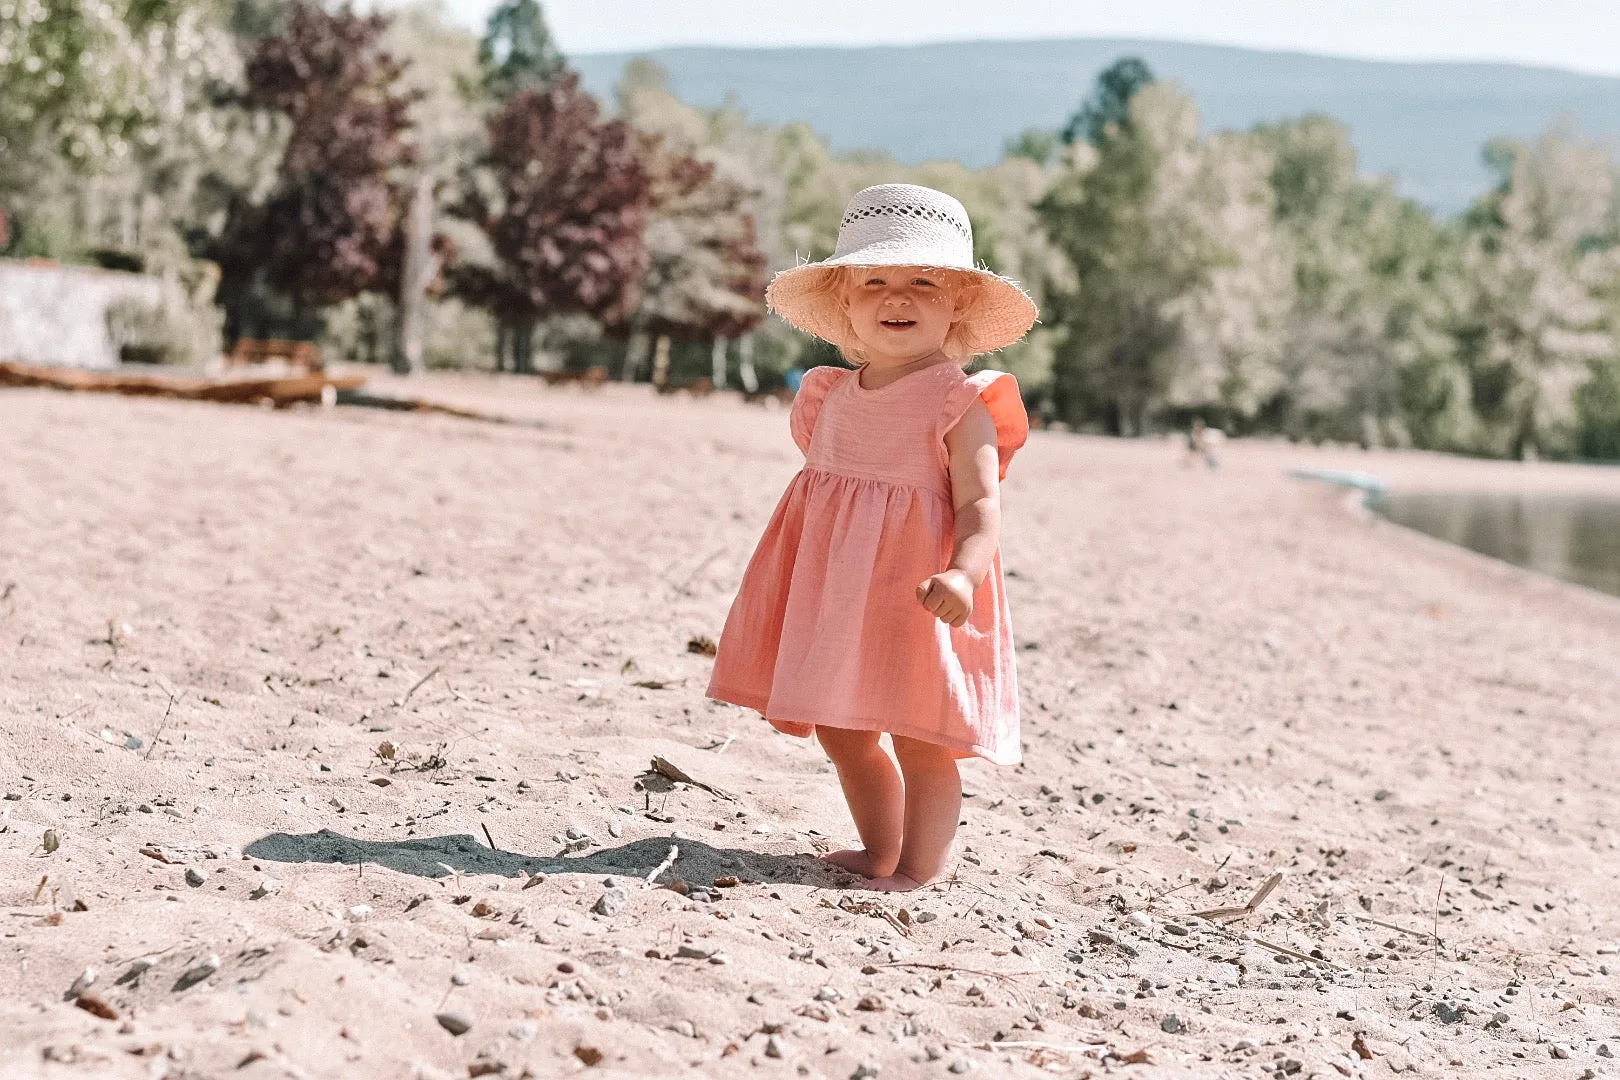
902, 313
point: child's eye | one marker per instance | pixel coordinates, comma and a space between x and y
874, 281
922, 281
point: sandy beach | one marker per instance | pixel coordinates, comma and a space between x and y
336, 724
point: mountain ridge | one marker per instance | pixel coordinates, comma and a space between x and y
1425, 123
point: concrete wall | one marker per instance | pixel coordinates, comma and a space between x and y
57, 315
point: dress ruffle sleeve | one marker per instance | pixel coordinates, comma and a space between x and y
818, 381
999, 392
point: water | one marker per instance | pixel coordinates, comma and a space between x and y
1573, 537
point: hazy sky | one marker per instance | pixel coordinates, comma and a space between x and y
1580, 34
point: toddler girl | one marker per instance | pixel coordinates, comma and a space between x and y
874, 602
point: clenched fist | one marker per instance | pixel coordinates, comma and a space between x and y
949, 596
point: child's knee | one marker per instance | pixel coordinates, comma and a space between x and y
842, 744
917, 754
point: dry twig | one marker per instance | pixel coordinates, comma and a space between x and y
1247, 909
1290, 952
669, 861
665, 768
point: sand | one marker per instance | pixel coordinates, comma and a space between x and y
322, 661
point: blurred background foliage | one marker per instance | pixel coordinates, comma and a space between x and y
408, 192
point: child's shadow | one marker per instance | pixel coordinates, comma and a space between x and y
429, 856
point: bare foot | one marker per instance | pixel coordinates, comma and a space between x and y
855, 860
893, 883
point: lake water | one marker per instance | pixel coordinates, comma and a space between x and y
1573, 537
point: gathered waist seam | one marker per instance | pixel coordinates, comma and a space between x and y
887, 481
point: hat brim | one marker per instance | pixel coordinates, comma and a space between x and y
1002, 316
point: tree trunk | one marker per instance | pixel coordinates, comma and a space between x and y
418, 272
502, 337
523, 347
634, 348
745, 365
719, 363
660, 372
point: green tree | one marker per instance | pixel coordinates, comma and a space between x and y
1538, 259
1176, 271
517, 52
1108, 106
1366, 354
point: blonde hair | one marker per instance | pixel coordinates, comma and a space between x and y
959, 344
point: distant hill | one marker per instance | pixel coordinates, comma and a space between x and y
1426, 123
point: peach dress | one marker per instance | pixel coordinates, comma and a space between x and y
826, 628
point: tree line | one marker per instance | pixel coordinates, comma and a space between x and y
409, 192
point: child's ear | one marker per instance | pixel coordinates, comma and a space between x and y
966, 295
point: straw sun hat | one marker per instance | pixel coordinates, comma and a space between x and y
903, 225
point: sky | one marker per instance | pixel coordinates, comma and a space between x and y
1580, 35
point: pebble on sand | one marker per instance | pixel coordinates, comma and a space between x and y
453, 1022
197, 972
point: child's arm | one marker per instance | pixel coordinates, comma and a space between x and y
976, 492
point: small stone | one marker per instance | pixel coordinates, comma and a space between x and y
51, 841
866, 1070
461, 977
773, 1047
827, 993
133, 973
1603, 1051
1560, 1051
575, 833
684, 1027
523, 1030
93, 1005
610, 902
1142, 919
615, 829
86, 978
266, 886
453, 1022
959, 1065
693, 952
1447, 1012
590, 1055
197, 972
195, 877
925, 916
871, 1003
1171, 1025
1243, 1044
359, 911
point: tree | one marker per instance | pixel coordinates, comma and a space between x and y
563, 199
517, 53
1109, 102
1538, 254
331, 228
1176, 272
1366, 352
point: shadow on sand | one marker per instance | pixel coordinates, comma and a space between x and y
428, 856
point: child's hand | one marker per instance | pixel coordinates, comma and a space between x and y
949, 596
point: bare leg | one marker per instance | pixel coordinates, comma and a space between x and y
872, 790
933, 807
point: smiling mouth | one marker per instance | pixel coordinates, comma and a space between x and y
899, 324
